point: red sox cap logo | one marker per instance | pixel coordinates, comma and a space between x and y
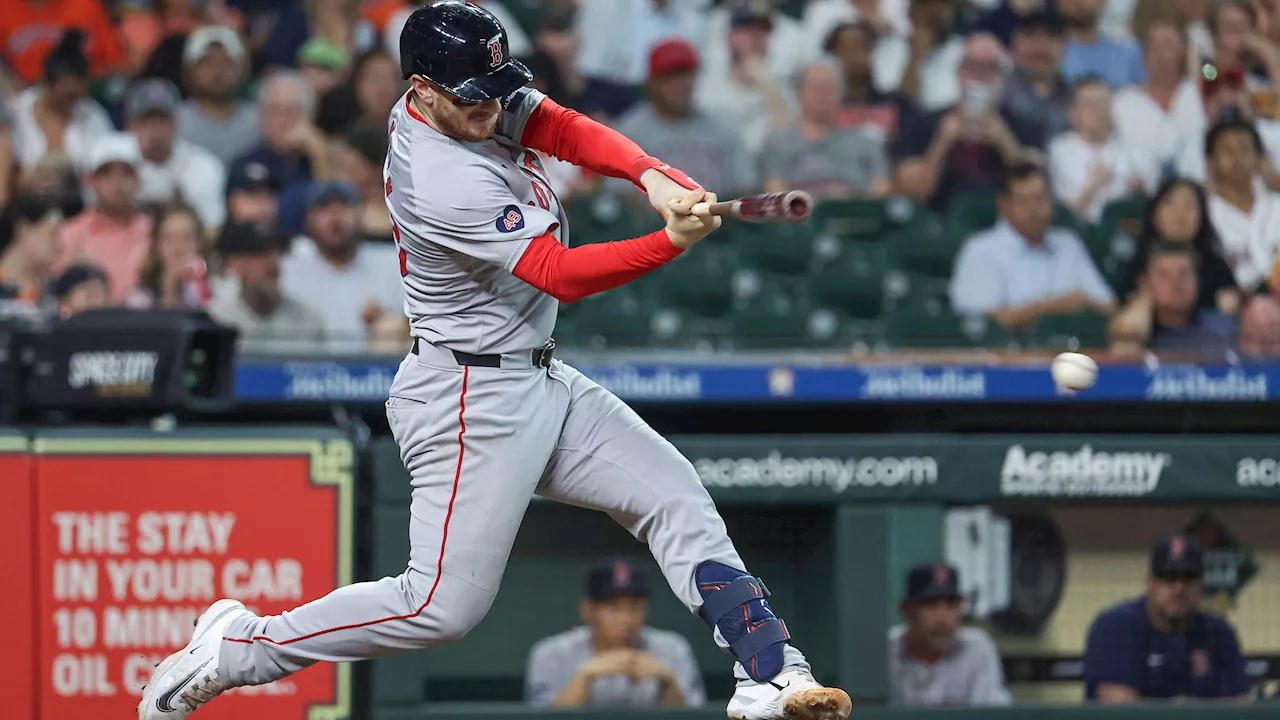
621, 574
940, 574
495, 51
1177, 546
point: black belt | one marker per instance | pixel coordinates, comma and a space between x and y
540, 357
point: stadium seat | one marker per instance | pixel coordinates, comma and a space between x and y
909, 291
863, 220
1114, 240
922, 329
927, 254
1070, 332
697, 282
970, 212
775, 318
782, 249
828, 329
853, 286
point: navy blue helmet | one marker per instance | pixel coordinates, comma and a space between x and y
462, 48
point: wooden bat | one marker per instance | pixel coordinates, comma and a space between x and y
794, 206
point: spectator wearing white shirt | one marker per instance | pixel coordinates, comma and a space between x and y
616, 37
353, 284
1245, 214
270, 321
58, 116
172, 169
742, 90
1023, 269
888, 17
1158, 119
1226, 97
786, 51
215, 62
1090, 167
923, 63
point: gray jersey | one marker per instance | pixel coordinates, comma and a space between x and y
555, 660
969, 675
464, 214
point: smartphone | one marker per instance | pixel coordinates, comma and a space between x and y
976, 99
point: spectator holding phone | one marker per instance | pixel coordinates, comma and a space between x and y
968, 146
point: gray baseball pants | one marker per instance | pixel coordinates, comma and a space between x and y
478, 443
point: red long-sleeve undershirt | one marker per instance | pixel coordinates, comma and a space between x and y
570, 274
576, 138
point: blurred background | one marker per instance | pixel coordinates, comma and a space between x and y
198, 281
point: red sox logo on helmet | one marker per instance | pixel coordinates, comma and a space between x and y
495, 51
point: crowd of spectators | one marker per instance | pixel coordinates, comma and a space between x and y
226, 154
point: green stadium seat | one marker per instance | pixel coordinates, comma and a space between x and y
782, 249
853, 286
1114, 240
970, 212
1082, 331
921, 329
774, 318
828, 329
856, 220
909, 291
698, 282
928, 254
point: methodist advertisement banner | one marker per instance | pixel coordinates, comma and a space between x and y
17, 603
984, 468
138, 535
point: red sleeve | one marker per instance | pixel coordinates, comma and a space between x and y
576, 138
570, 274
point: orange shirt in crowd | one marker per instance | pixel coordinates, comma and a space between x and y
29, 29
379, 12
119, 249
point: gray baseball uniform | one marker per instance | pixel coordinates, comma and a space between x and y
480, 441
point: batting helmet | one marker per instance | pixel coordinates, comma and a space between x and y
462, 48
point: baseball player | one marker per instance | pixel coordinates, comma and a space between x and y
483, 414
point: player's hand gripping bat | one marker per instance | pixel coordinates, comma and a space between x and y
794, 206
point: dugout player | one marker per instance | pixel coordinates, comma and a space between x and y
933, 660
1160, 645
482, 413
613, 659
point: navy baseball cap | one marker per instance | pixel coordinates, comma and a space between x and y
251, 175
77, 275
932, 581
244, 238
1047, 20
325, 190
152, 95
614, 578
751, 12
1177, 556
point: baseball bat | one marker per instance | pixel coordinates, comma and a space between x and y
794, 206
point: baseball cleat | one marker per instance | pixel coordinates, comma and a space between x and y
791, 695
188, 678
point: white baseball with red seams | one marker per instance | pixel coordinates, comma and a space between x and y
1074, 371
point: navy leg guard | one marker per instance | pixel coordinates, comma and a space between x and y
733, 602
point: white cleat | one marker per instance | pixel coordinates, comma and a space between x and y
188, 678
792, 695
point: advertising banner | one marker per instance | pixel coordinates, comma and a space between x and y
137, 536
17, 604
984, 468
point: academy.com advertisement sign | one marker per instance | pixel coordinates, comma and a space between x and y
986, 468
133, 546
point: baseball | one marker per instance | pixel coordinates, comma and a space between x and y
1074, 371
